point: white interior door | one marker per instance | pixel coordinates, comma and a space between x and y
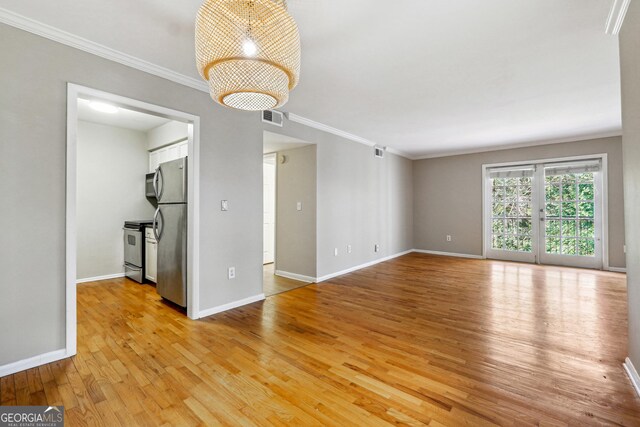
546, 213
269, 203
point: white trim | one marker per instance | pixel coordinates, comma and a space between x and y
616, 17
633, 374
451, 254
35, 27
329, 129
32, 362
607, 134
235, 304
605, 197
617, 269
193, 289
361, 266
97, 278
295, 276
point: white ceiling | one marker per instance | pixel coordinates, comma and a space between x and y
124, 118
425, 77
274, 142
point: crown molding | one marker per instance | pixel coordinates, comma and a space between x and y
616, 16
520, 145
329, 129
57, 35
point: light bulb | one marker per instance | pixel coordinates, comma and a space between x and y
249, 48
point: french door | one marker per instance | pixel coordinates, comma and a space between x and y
548, 213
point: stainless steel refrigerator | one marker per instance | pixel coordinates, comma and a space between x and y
170, 229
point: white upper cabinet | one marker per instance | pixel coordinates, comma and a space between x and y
168, 153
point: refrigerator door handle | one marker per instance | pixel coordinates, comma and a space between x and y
158, 184
157, 233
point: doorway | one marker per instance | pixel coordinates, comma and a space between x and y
547, 212
75, 95
289, 213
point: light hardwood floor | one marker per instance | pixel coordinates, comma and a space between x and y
273, 285
417, 340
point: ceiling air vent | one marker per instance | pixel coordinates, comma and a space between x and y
274, 117
380, 151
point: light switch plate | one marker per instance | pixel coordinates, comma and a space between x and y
224, 205
299, 206
348, 249
231, 273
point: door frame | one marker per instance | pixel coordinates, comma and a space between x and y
605, 198
74, 92
275, 202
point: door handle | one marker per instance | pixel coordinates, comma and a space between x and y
157, 233
158, 186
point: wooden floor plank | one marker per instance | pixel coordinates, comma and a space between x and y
419, 340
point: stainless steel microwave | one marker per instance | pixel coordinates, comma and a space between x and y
150, 191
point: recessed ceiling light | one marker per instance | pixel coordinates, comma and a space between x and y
103, 107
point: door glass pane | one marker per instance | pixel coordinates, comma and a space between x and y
511, 201
569, 214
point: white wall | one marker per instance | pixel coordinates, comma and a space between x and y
166, 134
112, 163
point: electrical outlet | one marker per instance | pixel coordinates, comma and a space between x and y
348, 249
224, 205
376, 248
232, 273
448, 237
335, 252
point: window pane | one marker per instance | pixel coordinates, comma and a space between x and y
524, 227
587, 228
586, 210
524, 210
569, 228
553, 193
524, 193
511, 210
512, 181
553, 228
498, 242
553, 209
511, 193
586, 247
568, 246
524, 244
568, 210
512, 226
585, 177
498, 181
511, 243
525, 180
553, 245
498, 209
585, 192
555, 179
568, 178
498, 226
568, 192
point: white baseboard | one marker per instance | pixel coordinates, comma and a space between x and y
95, 279
452, 254
32, 362
617, 269
361, 266
633, 374
294, 276
235, 304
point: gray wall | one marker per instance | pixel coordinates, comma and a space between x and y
112, 163
353, 188
448, 195
296, 230
630, 68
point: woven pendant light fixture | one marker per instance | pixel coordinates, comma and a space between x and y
248, 51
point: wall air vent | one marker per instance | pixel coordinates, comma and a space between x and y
273, 117
379, 151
